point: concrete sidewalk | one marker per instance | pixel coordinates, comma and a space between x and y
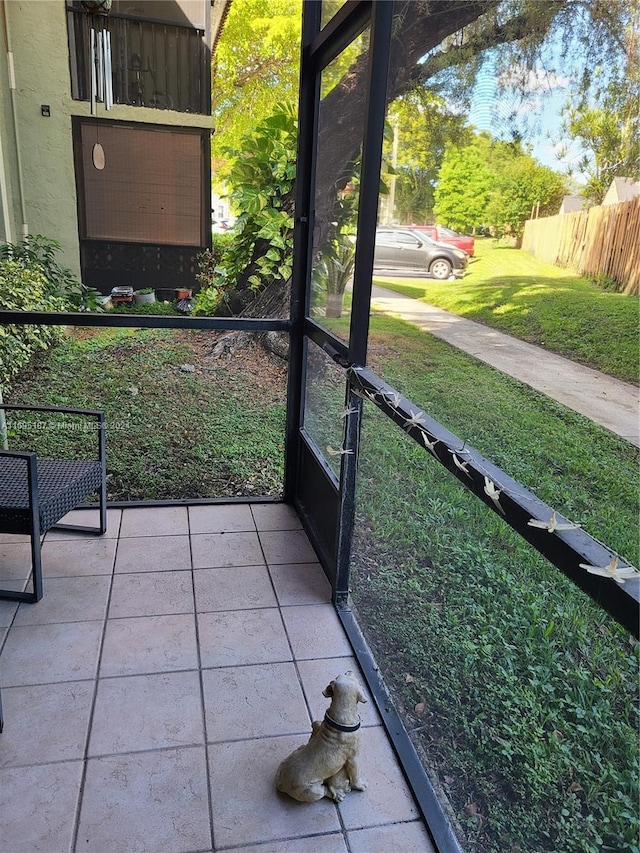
609, 402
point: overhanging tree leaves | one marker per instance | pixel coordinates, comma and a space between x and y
435, 41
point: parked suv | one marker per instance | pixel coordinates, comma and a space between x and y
446, 235
400, 248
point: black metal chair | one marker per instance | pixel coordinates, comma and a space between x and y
36, 493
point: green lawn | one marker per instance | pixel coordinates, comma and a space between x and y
518, 692
511, 290
178, 425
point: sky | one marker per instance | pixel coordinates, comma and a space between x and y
539, 116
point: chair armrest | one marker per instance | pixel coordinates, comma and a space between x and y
92, 413
19, 454
63, 409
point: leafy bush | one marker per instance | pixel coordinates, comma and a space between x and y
36, 251
25, 288
262, 176
148, 308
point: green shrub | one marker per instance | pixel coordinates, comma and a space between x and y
25, 288
36, 251
262, 177
149, 308
223, 242
208, 301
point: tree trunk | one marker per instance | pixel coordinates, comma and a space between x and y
334, 304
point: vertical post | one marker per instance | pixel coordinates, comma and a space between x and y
376, 106
307, 125
4, 442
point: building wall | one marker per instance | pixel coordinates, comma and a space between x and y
37, 35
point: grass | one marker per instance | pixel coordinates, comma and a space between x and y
519, 693
176, 426
510, 290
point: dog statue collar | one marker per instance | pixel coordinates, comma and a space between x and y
339, 726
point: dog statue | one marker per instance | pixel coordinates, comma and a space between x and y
327, 765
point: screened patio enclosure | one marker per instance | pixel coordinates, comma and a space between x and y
340, 406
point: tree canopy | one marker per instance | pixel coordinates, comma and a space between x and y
255, 67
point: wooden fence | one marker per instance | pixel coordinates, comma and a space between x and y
601, 240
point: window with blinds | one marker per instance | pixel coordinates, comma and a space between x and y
151, 189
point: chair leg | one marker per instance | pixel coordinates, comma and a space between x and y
36, 571
36, 562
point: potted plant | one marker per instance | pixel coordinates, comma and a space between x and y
183, 293
144, 296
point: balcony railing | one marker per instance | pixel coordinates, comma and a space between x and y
154, 64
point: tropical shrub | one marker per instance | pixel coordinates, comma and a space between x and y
36, 251
262, 177
25, 287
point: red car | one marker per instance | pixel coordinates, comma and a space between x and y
446, 235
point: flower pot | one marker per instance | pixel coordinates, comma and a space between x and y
144, 298
183, 293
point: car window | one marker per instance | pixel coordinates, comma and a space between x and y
385, 237
407, 239
449, 233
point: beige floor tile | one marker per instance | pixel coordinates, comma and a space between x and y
13, 538
151, 594
144, 712
7, 612
148, 644
221, 550
254, 701
387, 798
242, 588
38, 806
332, 843
15, 560
45, 723
275, 516
42, 654
153, 554
242, 637
77, 599
399, 838
220, 518
149, 802
73, 557
301, 583
287, 546
88, 518
246, 806
154, 521
315, 632
317, 674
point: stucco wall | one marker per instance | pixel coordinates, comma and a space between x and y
37, 33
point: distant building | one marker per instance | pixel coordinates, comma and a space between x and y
571, 203
621, 189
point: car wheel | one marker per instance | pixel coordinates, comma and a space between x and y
440, 269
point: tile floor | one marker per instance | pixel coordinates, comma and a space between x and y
170, 667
